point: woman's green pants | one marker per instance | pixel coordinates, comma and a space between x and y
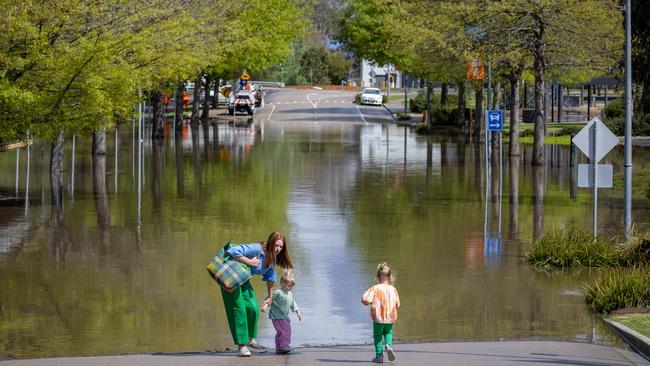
242, 312
379, 331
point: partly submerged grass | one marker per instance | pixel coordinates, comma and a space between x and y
575, 248
619, 289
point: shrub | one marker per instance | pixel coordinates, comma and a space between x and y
569, 130
571, 248
617, 289
401, 116
357, 98
615, 108
640, 125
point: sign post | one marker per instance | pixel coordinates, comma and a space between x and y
595, 140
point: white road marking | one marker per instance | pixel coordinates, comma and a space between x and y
361, 115
270, 113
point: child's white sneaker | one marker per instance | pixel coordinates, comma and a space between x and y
391, 353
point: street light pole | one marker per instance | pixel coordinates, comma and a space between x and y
627, 216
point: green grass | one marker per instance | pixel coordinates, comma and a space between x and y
619, 289
640, 182
638, 322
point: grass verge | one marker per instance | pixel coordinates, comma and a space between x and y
637, 322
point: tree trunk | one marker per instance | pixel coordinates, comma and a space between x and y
56, 177
514, 115
560, 99
215, 99
514, 197
205, 114
460, 117
540, 120
478, 110
99, 142
443, 94
429, 104
157, 106
180, 167
197, 96
99, 192
538, 202
178, 103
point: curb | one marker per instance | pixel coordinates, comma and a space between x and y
390, 112
638, 341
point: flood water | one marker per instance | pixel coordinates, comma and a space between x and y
119, 267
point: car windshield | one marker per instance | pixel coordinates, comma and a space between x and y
372, 91
243, 97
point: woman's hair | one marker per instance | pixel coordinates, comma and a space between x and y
288, 277
383, 270
282, 259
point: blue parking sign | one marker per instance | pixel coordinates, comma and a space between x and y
495, 120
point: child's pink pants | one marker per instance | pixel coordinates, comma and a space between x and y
282, 334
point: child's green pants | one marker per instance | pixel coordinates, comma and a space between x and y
242, 311
380, 330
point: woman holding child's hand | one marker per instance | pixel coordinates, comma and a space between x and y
241, 304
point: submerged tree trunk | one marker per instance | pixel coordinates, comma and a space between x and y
515, 82
540, 120
56, 177
461, 118
99, 193
157, 106
428, 121
205, 114
178, 102
514, 198
197, 96
215, 99
478, 110
99, 142
443, 94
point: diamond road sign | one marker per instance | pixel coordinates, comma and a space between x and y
495, 120
605, 140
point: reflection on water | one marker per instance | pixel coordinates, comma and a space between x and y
115, 264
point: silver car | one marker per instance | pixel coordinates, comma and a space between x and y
371, 96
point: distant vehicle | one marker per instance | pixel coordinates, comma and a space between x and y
371, 96
243, 102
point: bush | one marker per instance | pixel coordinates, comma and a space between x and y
419, 103
575, 248
640, 125
618, 289
615, 108
357, 98
569, 130
571, 248
401, 116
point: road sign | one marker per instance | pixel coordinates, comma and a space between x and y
242, 83
586, 175
605, 140
245, 76
495, 120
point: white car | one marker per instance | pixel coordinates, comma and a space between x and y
371, 96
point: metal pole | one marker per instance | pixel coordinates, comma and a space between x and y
405, 95
595, 178
74, 143
17, 170
628, 119
27, 177
500, 177
116, 160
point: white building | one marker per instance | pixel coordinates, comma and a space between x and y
373, 75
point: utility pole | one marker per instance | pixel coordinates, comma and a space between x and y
627, 216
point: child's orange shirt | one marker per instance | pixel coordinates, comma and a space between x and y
384, 302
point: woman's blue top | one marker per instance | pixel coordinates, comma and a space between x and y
251, 251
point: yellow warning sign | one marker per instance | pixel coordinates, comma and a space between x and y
245, 76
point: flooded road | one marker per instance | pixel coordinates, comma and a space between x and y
119, 267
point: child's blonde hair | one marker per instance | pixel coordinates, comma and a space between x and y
288, 277
383, 270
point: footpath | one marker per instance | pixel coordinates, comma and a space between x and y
440, 354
